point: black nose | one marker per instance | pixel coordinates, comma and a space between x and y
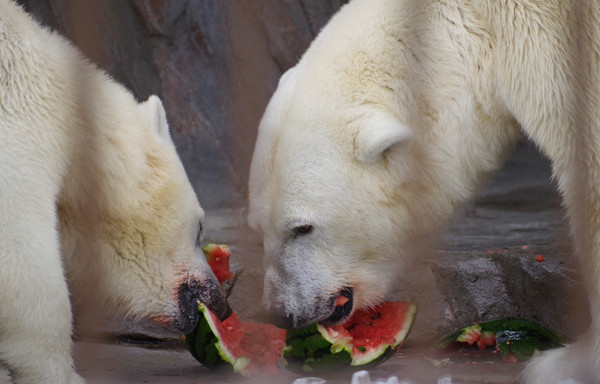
193, 292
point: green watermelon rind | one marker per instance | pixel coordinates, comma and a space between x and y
208, 248
308, 351
202, 345
332, 352
209, 348
211, 247
538, 336
466, 332
225, 354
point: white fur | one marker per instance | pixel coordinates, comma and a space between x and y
467, 79
381, 131
95, 206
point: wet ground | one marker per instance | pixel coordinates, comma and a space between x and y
109, 363
485, 268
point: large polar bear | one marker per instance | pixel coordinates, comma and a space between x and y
394, 116
95, 206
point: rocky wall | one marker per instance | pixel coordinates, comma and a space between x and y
214, 63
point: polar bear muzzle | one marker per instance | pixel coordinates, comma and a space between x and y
192, 292
329, 311
341, 309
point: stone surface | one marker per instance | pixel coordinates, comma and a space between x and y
215, 65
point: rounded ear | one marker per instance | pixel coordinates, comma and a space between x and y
154, 112
379, 132
286, 75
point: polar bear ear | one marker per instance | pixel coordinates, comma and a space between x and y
154, 112
286, 75
380, 132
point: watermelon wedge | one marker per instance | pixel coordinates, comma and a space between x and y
368, 337
511, 336
217, 256
250, 349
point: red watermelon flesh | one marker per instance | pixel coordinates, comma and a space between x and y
487, 339
262, 343
217, 257
370, 332
251, 348
474, 334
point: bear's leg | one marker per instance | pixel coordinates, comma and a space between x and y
578, 175
580, 187
577, 361
35, 312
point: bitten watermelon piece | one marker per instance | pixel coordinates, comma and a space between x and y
217, 257
475, 335
368, 337
510, 336
249, 348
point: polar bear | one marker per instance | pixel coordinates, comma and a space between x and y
394, 116
95, 205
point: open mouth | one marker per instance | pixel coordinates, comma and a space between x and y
342, 307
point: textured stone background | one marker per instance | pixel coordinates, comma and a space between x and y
214, 63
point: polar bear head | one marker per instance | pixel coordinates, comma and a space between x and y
326, 189
131, 224
366, 148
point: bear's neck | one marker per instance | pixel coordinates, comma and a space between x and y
439, 74
463, 131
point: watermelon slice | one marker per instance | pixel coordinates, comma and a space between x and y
511, 336
217, 257
475, 335
249, 348
368, 337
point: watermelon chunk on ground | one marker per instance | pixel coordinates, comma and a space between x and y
248, 348
368, 337
475, 335
217, 256
511, 336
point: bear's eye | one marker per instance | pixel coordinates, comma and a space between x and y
200, 235
303, 229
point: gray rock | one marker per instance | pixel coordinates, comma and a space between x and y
215, 65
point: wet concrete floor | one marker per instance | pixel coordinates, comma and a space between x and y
110, 363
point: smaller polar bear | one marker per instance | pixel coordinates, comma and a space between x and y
395, 115
95, 206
